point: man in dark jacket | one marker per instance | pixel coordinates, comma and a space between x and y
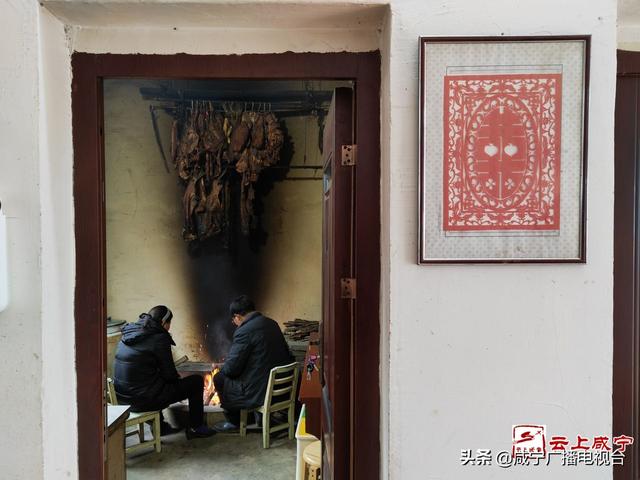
258, 346
145, 376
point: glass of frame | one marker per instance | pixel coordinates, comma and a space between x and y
503, 124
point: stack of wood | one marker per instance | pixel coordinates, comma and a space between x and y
300, 329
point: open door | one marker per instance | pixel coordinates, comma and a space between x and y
338, 287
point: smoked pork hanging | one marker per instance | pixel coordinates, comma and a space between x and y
210, 150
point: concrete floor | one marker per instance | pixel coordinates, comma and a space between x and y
221, 457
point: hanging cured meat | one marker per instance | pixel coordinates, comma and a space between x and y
257, 130
210, 151
240, 134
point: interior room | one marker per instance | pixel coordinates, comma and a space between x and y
196, 215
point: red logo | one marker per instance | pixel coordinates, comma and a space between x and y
529, 440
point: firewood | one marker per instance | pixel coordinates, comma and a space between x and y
300, 329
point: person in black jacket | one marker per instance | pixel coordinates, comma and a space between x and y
258, 346
145, 376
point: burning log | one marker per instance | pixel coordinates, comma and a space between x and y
210, 396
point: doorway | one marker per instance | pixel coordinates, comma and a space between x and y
626, 270
360, 456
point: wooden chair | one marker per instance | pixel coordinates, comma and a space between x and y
283, 381
137, 421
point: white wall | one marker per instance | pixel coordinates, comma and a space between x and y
21, 323
475, 349
220, 27
58, 252
628, 25
385, 242
525, 343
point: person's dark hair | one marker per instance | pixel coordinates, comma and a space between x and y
161, 314
241, 306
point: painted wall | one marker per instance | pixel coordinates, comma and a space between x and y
290, 262
524, 343
628, 25
475, 349
148, 262
58, 252
21, 323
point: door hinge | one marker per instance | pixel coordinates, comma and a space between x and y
349, 155
348, 287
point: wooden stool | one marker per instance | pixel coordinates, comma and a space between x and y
312, 457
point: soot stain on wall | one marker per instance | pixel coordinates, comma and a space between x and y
224, 268
148, 263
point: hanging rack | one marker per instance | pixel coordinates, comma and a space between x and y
284, 104
281, 111
308, 103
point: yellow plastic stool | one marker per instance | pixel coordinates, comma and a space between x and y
312, 457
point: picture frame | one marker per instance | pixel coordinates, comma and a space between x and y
503, 149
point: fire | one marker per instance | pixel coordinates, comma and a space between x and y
210, 396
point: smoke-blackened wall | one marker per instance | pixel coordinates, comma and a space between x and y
148, 262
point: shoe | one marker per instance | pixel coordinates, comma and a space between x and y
199, 432
226, 427
167, 429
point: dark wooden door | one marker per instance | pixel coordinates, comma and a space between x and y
337, 314
88, 71
626, 270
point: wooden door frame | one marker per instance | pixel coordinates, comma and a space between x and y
626, 270
89, 71
337, 264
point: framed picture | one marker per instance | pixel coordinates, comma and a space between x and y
503, 124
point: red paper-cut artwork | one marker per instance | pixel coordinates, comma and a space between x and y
502, 152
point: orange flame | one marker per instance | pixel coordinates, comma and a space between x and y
210, 396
